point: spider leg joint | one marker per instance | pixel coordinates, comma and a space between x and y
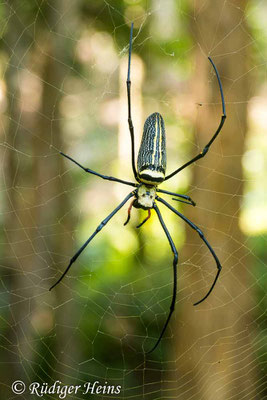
204, 151
200, 232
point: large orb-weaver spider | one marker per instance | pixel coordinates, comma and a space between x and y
151, 167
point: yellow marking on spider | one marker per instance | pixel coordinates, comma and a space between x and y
153, 174
155, 142
160, 144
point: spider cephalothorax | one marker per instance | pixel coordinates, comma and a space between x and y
145, 197
150, 172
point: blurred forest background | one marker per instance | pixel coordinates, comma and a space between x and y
63, 70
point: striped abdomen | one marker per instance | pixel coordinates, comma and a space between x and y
151, 161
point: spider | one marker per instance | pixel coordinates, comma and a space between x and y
150, 172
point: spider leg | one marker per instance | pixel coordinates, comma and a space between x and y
130, 122
182, 196
90, 171
185, 202
193, 226
206, 148
148, 216
98, 229
129, 213
175, 262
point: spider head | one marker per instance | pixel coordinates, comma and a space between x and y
145, 197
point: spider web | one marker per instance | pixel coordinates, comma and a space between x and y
63, 89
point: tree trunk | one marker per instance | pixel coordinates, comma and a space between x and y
17, 252
216, 358
37, 222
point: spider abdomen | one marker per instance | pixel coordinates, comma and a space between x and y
151, 161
